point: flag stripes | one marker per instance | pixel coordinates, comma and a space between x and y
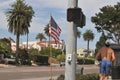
54, 29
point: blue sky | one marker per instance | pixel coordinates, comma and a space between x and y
57, 8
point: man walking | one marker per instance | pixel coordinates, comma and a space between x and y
107, 56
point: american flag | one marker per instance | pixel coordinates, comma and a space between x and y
54, 30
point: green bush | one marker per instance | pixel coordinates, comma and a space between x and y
93, 76
41, 60
61, 57
85, 61
24, 57
61, 77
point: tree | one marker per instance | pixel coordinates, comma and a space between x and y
46, 52
46, 29
88, 36
108, 21
19, 17
100, 43
5, 47
40, 36
60, 57
24, 57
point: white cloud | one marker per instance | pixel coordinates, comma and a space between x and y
3, 20
6, 3
37, 26
90, 7
61, 4
3, 8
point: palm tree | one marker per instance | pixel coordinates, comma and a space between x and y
40, 36
19, 17
88, 36
46, 29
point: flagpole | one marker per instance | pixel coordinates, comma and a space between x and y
50, 39
54, 32
50, 60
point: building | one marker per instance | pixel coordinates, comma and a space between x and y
39, 45
83, 52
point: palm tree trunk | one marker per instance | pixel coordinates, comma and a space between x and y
17, 48
88, 47
27, 42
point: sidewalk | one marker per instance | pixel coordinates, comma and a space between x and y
42, 78
5, 66
48, 78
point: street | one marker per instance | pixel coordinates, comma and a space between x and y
39, 72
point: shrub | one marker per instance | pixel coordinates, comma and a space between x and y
61, 57
93, 76
41, 60
85, 61
61, 77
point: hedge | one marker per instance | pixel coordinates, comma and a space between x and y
85, 61
93, 76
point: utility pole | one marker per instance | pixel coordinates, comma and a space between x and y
70, 67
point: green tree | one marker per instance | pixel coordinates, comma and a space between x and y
34, 52
19, 17
5, 47
60, 57
108, 21
100, 43
46, 52
46, 30
24, 57
88, 36
40, 36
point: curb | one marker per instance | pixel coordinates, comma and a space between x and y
6, 66
42, 78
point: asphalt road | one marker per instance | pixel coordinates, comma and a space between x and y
38, 73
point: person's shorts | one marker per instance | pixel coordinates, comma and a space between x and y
105, 67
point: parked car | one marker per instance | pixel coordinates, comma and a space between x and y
62, 63
10, 60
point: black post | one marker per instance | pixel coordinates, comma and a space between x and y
115, 73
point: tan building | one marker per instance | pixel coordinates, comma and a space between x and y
83, 52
